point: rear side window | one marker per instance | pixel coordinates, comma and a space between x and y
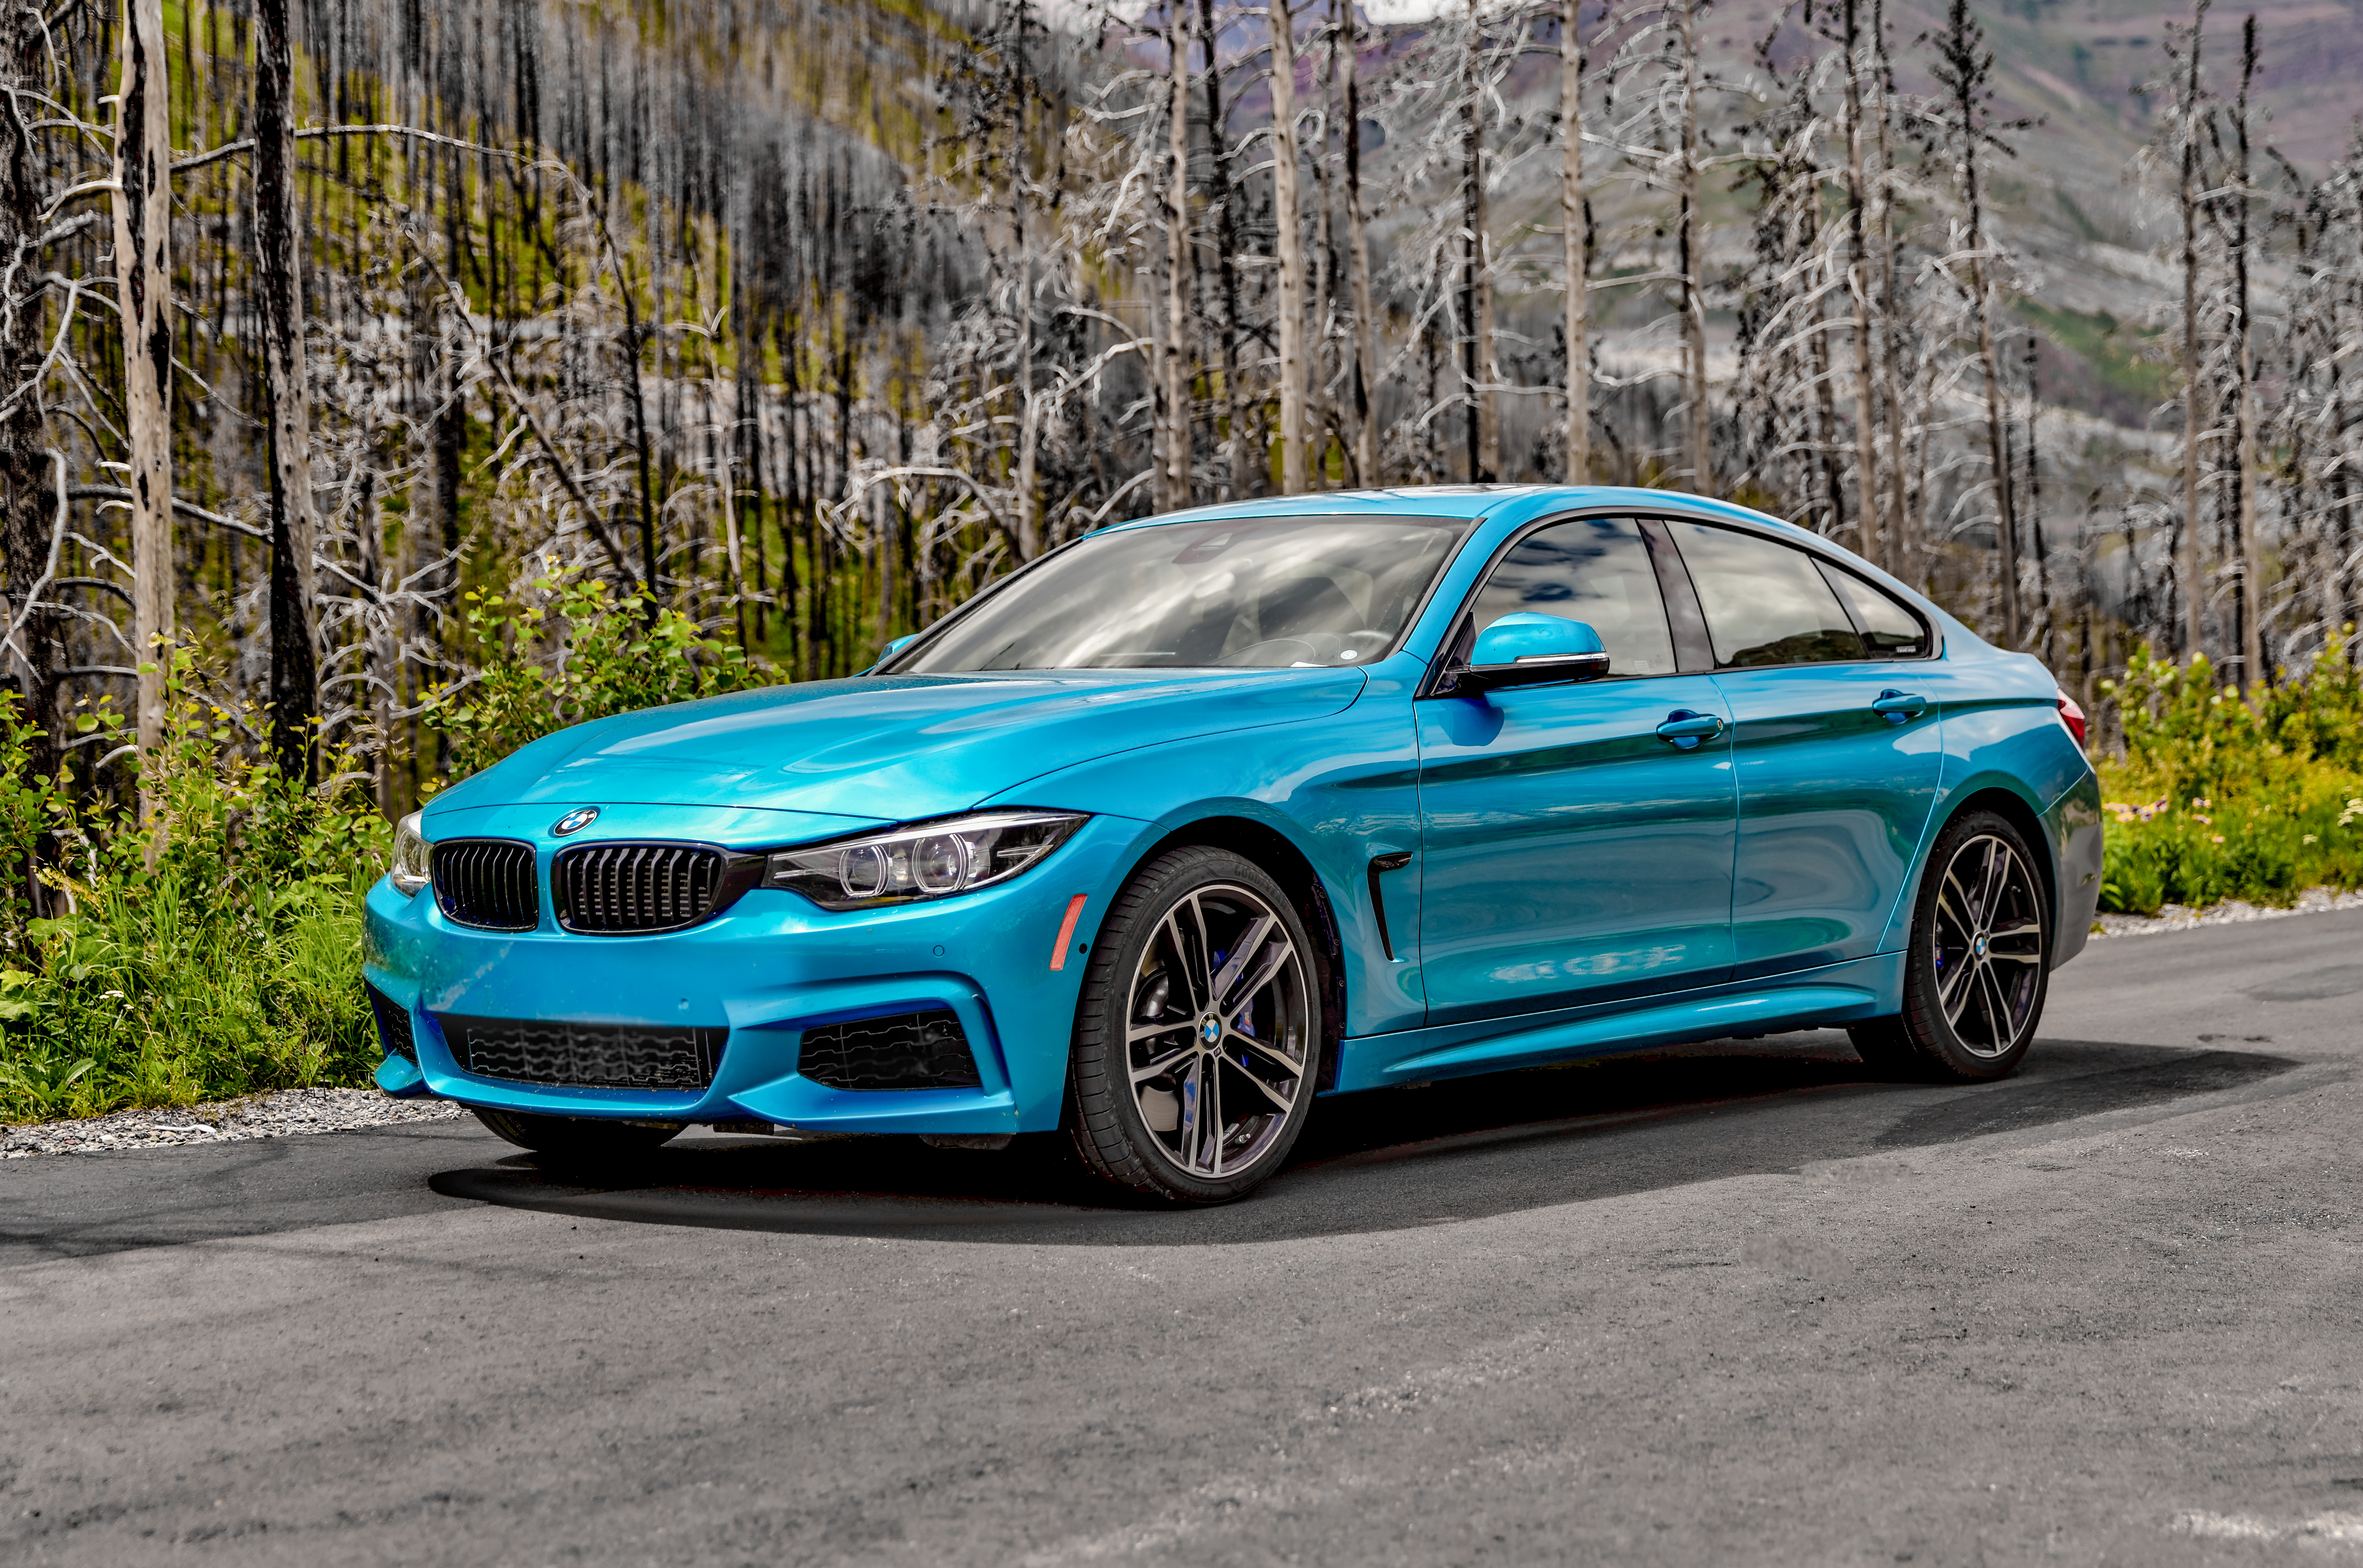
1594, 570
1765, 603
1892, 630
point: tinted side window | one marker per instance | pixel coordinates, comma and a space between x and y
1594, 570
1892, 630
1765, 603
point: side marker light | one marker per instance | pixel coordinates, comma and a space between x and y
1067, 931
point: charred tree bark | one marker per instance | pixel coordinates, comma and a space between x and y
2250, 604
1965, 70
28, 497
1358, 274
1174, 488
279, 286
1693, 263
1290, 236
1898, 519
1577, 258
1478, 372
1877, 543
143, 274
2193, 568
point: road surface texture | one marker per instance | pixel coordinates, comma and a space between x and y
1731, 1304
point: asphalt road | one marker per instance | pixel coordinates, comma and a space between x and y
1733, 1303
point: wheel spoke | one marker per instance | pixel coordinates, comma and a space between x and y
1265, 1048
1193, 1112
1997, 1009
1998, 860
1139, 1032
1962, 924
1235, 999
1161, 1064
1242, 951
1953, 991
1213, 1122
1185, 963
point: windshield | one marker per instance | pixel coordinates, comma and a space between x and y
1271, 592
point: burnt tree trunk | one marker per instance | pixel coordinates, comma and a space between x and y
279, 286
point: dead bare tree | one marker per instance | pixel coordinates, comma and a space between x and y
143, 267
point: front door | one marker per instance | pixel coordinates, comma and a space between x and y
1576, 841
1835, 740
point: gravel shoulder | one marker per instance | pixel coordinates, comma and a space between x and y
286, 1113
2231, 912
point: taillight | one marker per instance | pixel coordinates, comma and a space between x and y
2071, 715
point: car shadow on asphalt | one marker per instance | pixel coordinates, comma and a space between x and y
1397, 1158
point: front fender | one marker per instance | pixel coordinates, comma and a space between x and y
1342, 789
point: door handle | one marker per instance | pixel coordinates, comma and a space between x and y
1686, 728
1899, 707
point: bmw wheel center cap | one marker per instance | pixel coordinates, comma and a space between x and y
575, 821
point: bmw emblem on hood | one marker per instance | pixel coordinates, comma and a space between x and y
575, 821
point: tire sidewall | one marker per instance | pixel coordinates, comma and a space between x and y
1099, 1070
1923, 1010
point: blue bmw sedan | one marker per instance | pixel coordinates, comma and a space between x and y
1202, 817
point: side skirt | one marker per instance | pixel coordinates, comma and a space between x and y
1833, 995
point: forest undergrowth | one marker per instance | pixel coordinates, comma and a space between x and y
215, 950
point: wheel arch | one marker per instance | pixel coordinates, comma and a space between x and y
2020, 813
1287, 864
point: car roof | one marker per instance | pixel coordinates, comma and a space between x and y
1465, 501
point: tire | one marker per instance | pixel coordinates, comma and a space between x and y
578, 1140
1978, 969
1181, 925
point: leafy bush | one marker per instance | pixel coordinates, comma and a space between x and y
213, 952
2214, 799
227, 961
605, 656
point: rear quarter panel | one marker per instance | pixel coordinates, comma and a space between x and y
2002, 731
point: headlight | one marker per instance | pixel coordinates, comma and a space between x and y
409, 872
934, 860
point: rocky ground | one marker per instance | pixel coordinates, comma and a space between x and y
280, 1114
2231, 912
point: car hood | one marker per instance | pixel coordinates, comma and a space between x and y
891, 748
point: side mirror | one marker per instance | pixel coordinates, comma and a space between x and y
889, 651
1529, 648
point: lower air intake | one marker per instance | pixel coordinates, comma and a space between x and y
393, 1025
908, 1051
585, 1056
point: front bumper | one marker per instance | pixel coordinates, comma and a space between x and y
766, 969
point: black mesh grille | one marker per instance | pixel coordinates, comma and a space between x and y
908, 1050
588, 1056
393, 1024
611, 888
487, 883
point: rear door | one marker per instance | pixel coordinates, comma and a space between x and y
1835, 744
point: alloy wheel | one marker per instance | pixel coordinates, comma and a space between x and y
1988, 941
1216, 1030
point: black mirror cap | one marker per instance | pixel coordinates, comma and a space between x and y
1476, 679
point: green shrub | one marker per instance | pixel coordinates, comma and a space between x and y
564, 650
2214, 799
214, 951
229, 961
